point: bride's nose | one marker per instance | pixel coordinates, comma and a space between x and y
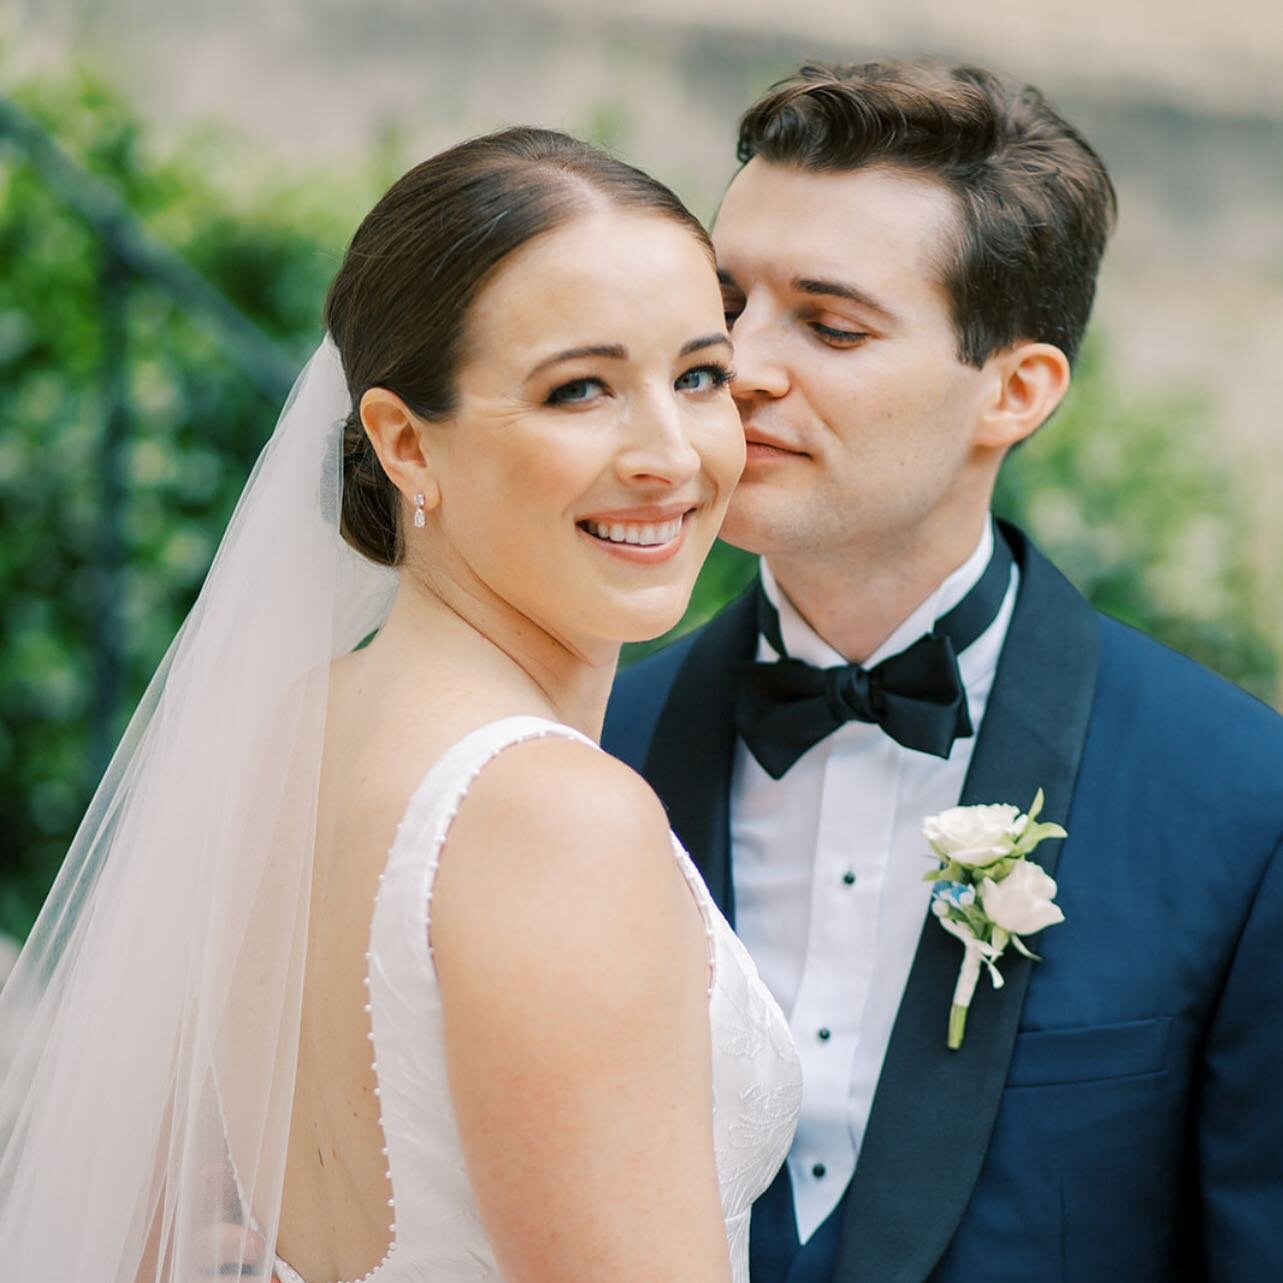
659, 446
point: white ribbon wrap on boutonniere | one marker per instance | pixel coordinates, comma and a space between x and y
988, 893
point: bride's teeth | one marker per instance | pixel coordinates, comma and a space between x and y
645, 536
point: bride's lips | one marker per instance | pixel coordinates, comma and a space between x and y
676, 515
761, 447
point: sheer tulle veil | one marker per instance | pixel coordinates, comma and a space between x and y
152, 1019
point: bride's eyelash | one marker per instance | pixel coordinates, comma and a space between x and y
559, 394
722, 374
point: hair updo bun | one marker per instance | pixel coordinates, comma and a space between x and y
369, 516
398, 308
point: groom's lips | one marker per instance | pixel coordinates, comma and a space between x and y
761, 446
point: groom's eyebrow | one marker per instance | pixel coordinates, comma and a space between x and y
840, 289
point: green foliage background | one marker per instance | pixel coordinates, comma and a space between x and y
1129, 497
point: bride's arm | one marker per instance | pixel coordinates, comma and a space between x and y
573, 966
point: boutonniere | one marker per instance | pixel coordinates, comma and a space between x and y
987, 891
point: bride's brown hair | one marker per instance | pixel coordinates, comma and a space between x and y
398, 308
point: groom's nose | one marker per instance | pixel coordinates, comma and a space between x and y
760, 370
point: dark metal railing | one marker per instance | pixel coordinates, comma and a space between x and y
129, 256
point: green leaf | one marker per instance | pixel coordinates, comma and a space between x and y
1035, 834
1019, 945
949, 872
1036, 807
1001, 868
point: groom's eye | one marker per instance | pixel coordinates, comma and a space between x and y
837, 336
732, 306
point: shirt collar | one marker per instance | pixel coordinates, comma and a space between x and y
804, 643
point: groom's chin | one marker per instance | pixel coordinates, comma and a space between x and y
753, 524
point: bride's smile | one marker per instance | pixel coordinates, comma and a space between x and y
642, 535
584, 471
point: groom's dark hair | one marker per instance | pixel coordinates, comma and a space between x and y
1034, 200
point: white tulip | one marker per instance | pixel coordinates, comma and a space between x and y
1022, 902
975, 836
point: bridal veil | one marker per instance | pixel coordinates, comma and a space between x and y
156, 1003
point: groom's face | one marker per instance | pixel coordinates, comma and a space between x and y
858, 413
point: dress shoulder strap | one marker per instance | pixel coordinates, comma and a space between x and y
439, 796
404, 902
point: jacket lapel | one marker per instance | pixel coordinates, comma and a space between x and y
693, 748
934, 1109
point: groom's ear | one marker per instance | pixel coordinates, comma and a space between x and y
1029, 381
401, 440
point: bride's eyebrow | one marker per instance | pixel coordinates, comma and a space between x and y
613, 351
709, 340
617, 351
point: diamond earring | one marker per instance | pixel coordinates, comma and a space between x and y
419, 519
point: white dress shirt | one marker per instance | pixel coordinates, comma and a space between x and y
829, 897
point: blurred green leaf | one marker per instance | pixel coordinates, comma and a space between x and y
269, 240
1130, 496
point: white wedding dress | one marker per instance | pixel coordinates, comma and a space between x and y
437, 1234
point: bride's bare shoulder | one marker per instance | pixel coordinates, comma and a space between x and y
559, 849
559, 800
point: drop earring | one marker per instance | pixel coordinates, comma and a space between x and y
419, 519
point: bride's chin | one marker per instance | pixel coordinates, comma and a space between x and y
647, 625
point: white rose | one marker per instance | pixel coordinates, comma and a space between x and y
1022, 902
973, 835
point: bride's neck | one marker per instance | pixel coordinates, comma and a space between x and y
465, 634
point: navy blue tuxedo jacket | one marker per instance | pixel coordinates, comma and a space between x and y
1116, 1111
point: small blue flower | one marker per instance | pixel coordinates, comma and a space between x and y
958, 894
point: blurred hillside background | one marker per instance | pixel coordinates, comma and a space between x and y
150, 149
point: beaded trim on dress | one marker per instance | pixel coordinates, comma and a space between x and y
756, 1077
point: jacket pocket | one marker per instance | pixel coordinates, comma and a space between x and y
1090, 1053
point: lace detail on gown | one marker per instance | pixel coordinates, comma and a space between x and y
437, 1234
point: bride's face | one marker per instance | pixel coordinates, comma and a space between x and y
595, 444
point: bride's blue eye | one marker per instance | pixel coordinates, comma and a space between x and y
576, 392
704, 378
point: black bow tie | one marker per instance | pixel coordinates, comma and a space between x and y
917, 697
